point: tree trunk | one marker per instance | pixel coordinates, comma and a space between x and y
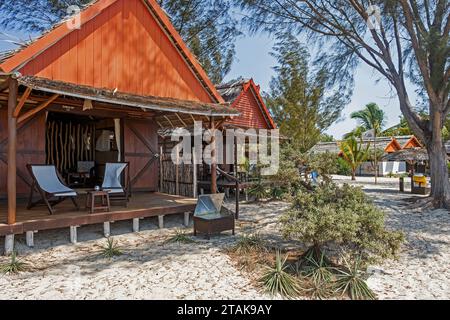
375, 157
440, 185
353, 174
431, 134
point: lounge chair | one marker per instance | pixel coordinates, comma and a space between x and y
48, 182
112, 181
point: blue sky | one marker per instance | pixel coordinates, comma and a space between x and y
253, 60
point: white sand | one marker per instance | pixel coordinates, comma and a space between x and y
423, 268
150, 269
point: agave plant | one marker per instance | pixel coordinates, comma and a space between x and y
276, 280
248, 243
111, 249
318, 270
351, 280
322, 291
180, 236
14, 266
258, 191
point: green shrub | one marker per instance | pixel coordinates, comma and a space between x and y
278, 193
340, 217
276, 280
343, 168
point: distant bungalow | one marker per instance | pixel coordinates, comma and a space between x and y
387, 144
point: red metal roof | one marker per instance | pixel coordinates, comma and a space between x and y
130, 45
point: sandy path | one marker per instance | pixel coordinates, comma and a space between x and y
423, 268
149, 268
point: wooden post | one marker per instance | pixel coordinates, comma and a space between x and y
213, 158
12, 149
238, 187
177, 172
161, 169
194, 174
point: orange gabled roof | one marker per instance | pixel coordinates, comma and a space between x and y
413, 142
35, 48
251, 85
393, 146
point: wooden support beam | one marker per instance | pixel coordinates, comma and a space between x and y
167, 118
181, 120
177, 171
22, 101
12, 151
39, 108
194, 174
213, 158
161, 169
236, 171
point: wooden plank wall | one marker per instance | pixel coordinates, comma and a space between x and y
124, 48
30, 149
251, 113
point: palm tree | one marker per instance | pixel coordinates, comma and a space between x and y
354, 153
371, 118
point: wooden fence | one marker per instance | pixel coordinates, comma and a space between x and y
177, 179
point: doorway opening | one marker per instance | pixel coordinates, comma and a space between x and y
80, 146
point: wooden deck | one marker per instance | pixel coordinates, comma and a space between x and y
141, 205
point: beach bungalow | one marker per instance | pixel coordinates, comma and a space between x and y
81, 97
242, 95
387, 145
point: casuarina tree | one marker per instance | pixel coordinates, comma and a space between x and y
301, 100
400, 39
